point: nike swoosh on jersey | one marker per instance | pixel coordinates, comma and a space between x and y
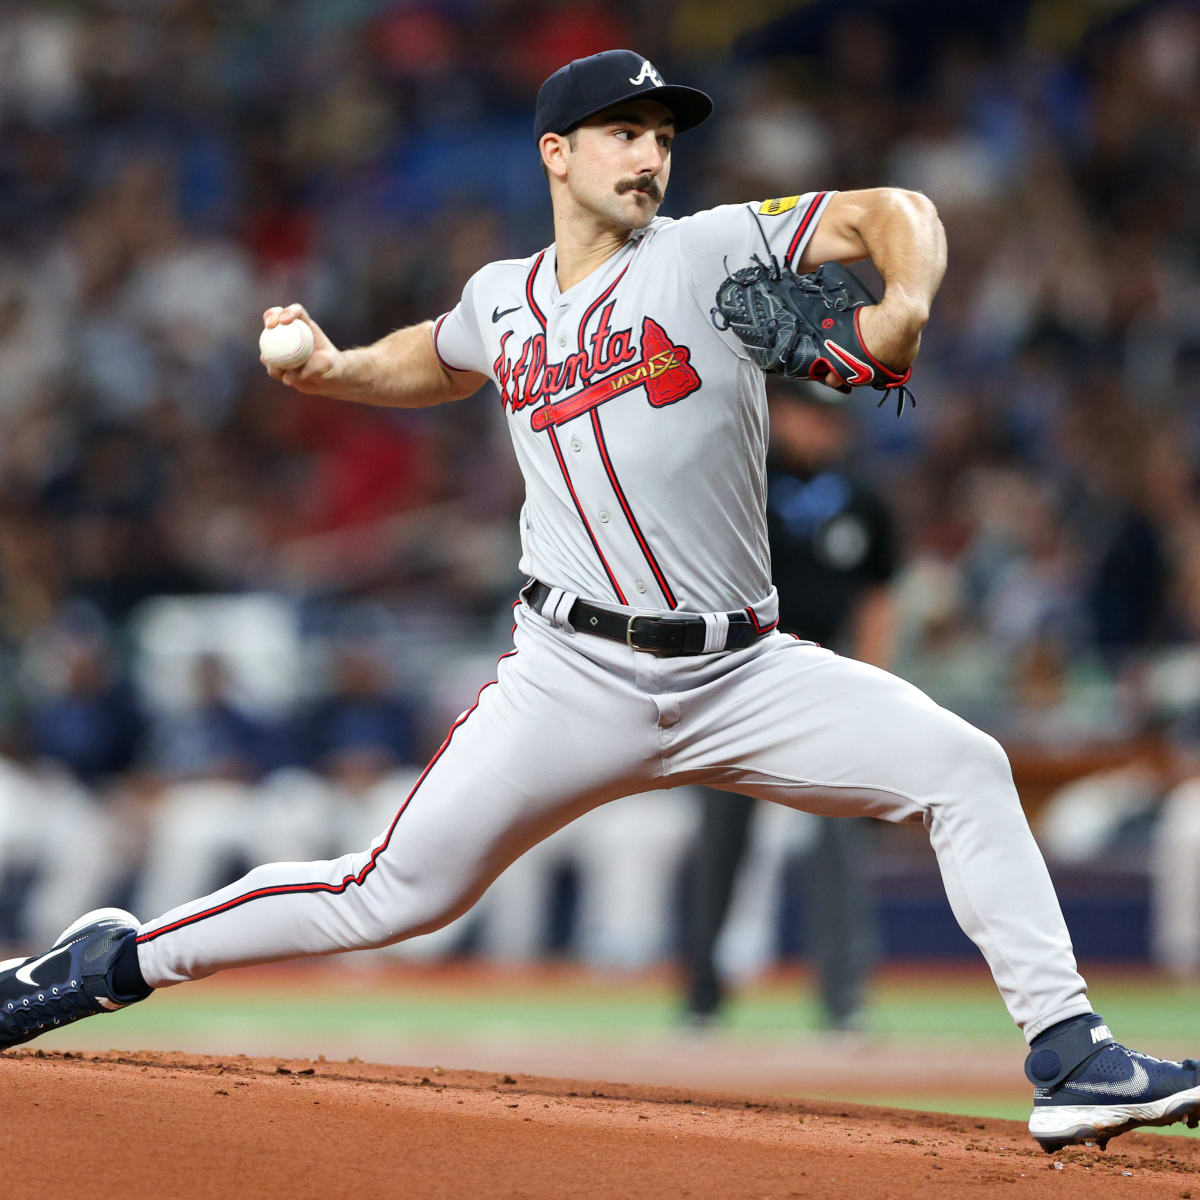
497, 314
25, 973
1138, 1082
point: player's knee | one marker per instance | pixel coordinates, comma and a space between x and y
413, 914
977, 764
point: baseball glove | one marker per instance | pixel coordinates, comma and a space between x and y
801, 326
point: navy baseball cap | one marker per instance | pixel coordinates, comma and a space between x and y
587, 85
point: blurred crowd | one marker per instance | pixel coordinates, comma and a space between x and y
170, 169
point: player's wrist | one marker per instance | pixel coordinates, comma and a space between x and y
892, 332
350, 374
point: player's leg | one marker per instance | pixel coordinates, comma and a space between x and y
837, 737
557, 733
720, 846
842, 939
560, 731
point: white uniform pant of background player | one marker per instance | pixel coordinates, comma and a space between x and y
627, 857
575, 720
1175, 881
66, 839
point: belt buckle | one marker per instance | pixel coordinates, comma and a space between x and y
657, 651
629, 634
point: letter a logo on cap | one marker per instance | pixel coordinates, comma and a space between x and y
647, 72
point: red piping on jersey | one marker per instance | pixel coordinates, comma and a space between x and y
436, 330
759, 629
604, 295
537, 312
805, 221
288, 889
637, 533
562, 465
668, 595
579, 509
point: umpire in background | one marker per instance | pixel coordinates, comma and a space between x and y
833, 555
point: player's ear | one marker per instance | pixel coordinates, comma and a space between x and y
554, 147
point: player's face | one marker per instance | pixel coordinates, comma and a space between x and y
621, 161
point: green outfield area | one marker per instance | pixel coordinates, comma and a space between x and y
461, 999
939, 1036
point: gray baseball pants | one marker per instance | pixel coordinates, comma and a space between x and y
574, 720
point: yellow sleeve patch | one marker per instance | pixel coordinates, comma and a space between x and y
772, 208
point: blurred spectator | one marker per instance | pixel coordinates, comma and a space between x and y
84, 716
212, 738
358, 712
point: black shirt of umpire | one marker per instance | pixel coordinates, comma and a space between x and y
832, 539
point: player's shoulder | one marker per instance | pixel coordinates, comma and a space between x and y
502, 269
666, 231
740, 210
755, 214
721, 214
718, 228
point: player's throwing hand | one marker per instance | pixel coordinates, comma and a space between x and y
320, 370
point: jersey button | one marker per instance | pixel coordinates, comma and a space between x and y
576, 445
562, 341
603, 517
640, 585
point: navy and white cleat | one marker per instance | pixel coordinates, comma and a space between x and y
1089, 1088
72, 979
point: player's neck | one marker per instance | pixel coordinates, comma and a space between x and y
581, 245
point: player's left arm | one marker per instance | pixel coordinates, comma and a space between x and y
900, 232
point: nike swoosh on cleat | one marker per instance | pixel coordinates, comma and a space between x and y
25, 973
1138, 1082
497, 314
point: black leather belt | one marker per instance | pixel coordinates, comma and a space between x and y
668, 637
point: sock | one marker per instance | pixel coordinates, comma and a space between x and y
125, 975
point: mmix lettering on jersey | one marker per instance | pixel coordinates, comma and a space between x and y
664, 370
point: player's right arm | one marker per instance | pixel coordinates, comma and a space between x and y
401, 370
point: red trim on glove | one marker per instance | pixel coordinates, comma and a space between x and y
894, 377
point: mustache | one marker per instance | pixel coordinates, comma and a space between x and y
643, 184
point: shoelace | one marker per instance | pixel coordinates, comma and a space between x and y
903, 393
47, 1008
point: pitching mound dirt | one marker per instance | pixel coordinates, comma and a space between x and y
188, 1126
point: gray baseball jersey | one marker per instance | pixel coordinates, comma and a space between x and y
640, 429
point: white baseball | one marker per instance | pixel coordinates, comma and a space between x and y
286, 346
